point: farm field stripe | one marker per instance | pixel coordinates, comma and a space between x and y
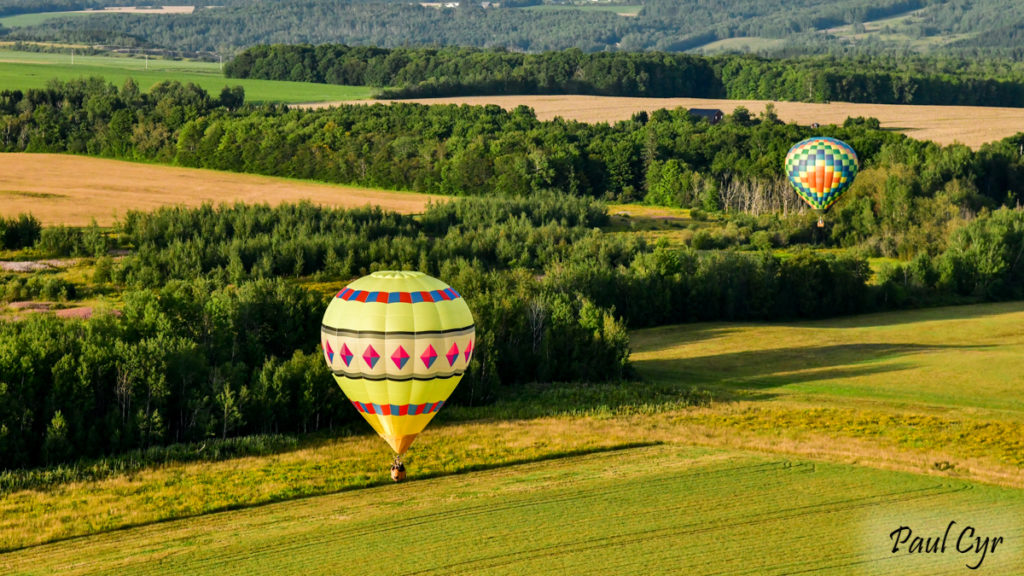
74, 190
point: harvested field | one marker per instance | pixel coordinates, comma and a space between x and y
148, 10
73, 190
970, 125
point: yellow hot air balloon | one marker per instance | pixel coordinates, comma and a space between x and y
398, 344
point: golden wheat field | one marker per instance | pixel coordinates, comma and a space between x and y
969, 125
74, 190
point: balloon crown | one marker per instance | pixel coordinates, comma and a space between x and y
397, 274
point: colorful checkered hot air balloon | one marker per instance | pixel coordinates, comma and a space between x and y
821, 169
398, 344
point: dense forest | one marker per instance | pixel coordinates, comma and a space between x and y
199, 349
430, 72
799, 26
668, 157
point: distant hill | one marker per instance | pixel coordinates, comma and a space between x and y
981, 28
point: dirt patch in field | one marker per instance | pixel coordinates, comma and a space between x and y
33, 265
970, 125
74, 190
137, 10
82, 312
31, 306
21, 310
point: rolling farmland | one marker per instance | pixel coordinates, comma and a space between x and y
820, 438
74, 190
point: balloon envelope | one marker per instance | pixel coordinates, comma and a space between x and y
821, 169
398, 344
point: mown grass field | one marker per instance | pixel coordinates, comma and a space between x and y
25, 70
822, 438
648, 510
74, 190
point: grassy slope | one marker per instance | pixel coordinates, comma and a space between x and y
660, 509
936, 388
933, 392
951, 359
24, 70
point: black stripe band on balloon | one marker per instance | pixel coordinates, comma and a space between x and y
358, 333
372, 378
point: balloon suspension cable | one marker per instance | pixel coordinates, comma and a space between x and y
398, 461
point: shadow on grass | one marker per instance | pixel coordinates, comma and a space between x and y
659, 339
740, 373
897, 318
373, 483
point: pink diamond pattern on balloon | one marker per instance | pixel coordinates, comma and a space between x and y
400, 357
428, 356
469, 350
328, 352
346, 354
371, 356
453, 354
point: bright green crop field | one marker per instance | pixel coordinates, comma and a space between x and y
652, 510
25, 70
822, 439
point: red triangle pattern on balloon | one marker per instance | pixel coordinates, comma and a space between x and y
429, 356
400, 357
453, 354
370, 356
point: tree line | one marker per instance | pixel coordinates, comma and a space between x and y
434, 72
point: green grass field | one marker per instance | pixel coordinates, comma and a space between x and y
822, 438
25, 70
36, 18
653, 510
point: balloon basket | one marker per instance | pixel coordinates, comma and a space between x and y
397, 470
821, 222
